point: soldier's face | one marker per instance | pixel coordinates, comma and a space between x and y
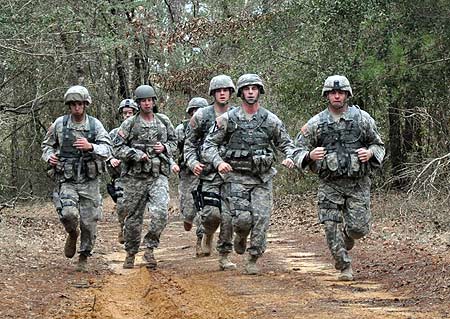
222, 96
146, 105
127, 112
250, 94
77, 108
192, 112
337, 99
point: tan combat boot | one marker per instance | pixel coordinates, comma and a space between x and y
346, 273
250, 265
70, 247
149, 258
82, 263
207, 244
240, 244
129, 261
225, 263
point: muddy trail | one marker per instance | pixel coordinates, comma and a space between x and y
297, 278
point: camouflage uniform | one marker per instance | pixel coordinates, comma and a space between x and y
344, 188
114, 188
144, 181
210, 179
77, 174
247, 191
188, 183
117, 189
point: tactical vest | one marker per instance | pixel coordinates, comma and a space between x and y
249, 149
75, 164
141, 140
341, 140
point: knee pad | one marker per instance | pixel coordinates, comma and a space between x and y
356, 233
242, 221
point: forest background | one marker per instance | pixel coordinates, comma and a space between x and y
395, 53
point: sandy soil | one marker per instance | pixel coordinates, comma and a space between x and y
396, 275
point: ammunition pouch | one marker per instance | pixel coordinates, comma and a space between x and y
86, 167
252, 163
339, 164
156, 165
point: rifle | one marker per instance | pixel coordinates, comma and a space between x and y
111, 188
198, 199
57, 201
202, 199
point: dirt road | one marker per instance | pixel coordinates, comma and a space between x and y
297, 279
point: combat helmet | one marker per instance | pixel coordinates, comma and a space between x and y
337, 82
249, 79
221, 82
144, 92
196, 103
128, 103
77, 93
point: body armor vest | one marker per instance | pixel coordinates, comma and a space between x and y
143, 139
249, 148
75, 164
341, 140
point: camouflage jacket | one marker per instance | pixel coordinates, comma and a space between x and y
355, 129
196, 132
276, 135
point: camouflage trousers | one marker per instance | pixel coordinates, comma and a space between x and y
137, 193
250, 207
189, 182
81, 204
344, 209
212, 217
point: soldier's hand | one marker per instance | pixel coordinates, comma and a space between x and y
115, 162
175, 169
288, 163
144, 158
198, 169
81, 143
53, 160
159, 148
364, 154
224, 168
317, 154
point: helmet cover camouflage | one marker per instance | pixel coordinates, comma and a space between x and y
249, 79
196, 103
221, 82
337, 82
77, 93
128, 103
